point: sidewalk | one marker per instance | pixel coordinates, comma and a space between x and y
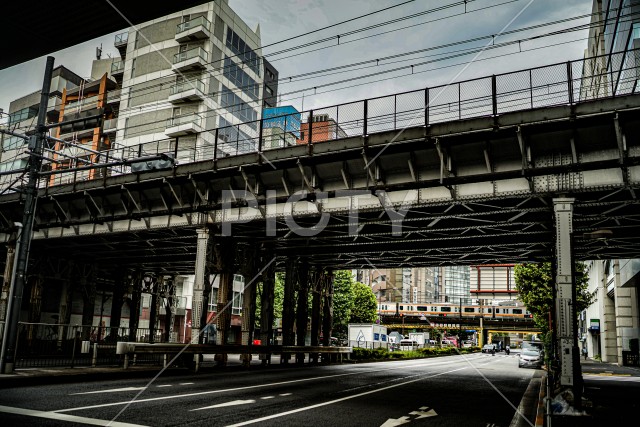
612, 391
27, 377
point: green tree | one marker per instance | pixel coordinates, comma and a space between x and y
365, 306
534, 284
342, 302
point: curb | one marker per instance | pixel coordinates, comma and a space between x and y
540, 411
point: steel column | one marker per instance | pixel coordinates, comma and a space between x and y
288, 306
302, 313
565, 298
36, 142
327, 316
267, 306
203, 253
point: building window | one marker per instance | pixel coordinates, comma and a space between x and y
236, 106
244, 52
241, 79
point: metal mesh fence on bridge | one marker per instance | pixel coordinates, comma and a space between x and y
565, 83
60, 345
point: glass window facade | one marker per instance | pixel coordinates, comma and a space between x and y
236, 106
24, 114
244, 52
231, 134
457, 288
241, 79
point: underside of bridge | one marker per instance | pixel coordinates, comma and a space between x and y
544, 184
466, 192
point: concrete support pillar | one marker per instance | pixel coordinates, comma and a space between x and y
565, 297
199, 304
302, 314
288, 306
267, 306
327, 316
134, 305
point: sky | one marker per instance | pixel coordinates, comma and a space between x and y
282, 19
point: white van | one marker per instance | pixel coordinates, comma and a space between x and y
408, 345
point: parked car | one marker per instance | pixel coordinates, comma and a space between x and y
488, 348
530, 359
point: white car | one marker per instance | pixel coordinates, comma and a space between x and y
488, 348
530, 359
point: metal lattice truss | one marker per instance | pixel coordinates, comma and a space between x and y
465, 192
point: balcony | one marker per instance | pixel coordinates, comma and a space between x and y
196, 29
189, 124
113, 96
110, 126
191, 59
121, 40
120, 43
117, 68
187, 91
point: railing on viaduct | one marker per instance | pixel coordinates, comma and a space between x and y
565, 83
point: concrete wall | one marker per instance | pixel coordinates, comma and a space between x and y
101, 66
151, 91
151, 122
156, 32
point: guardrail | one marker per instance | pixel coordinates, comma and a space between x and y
169, 351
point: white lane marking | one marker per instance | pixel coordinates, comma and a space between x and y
164, 385
64, 417
342, 399
112, 390
391, 422
222, 405
592, 377
285, 394
267, 397
177, 396
186, 383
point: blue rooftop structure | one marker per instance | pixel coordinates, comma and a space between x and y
286, 118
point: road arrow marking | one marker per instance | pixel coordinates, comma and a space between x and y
391, 422
222, 405
423, 413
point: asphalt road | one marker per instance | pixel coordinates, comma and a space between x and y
473, 390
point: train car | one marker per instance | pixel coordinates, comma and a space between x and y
445, 310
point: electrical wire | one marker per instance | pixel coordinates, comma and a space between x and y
210, 112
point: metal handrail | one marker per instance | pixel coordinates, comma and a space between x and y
189, 54
121, 39
200, 20
186, 85
543, 86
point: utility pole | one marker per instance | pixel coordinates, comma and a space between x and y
36, 144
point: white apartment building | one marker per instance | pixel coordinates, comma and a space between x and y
186, 74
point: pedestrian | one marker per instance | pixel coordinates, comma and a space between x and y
585, 352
